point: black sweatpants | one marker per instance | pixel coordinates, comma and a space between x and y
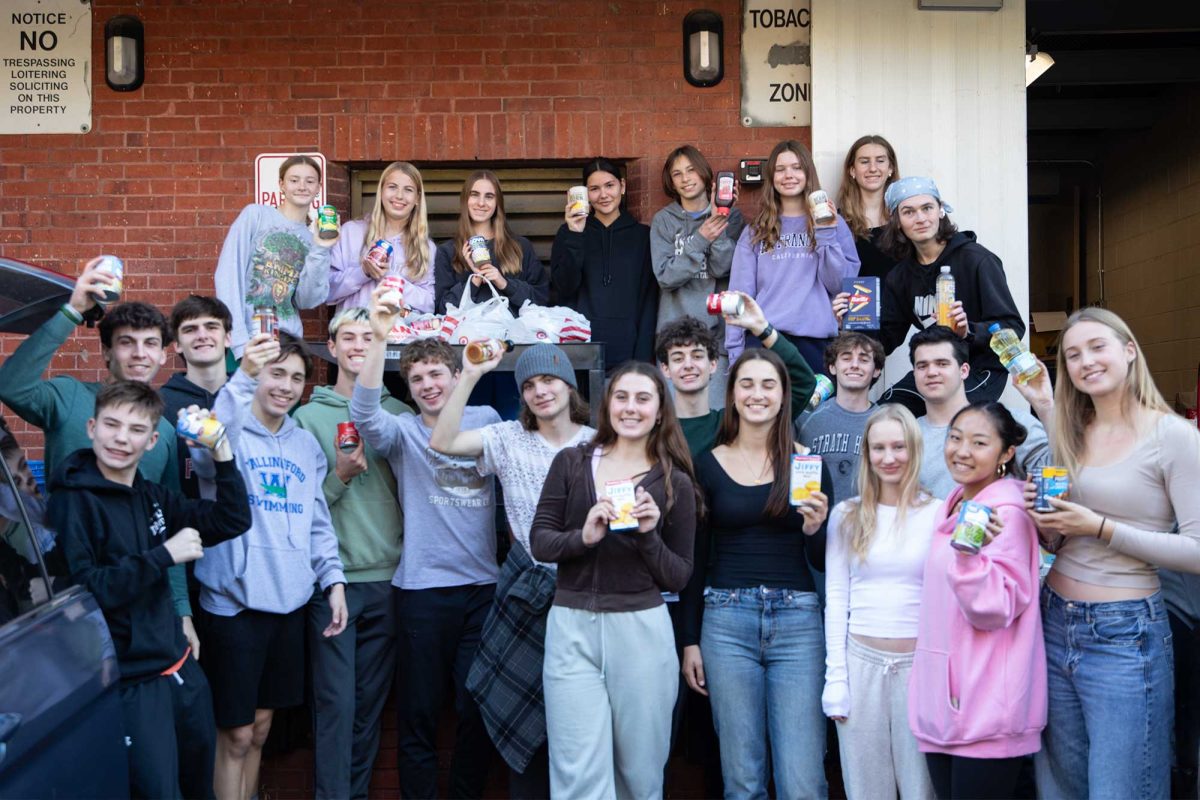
437, 636
964, 778
170, 734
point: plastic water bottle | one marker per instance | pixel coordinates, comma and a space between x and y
822, 392
1020, 363
945, 296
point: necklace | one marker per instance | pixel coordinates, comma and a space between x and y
761, 472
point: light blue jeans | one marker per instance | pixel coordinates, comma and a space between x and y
764, 664
1111, 683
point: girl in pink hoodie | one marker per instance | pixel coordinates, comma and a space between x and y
977, 696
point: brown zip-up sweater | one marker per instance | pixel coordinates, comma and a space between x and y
625, 571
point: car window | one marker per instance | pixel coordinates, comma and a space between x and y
26, 543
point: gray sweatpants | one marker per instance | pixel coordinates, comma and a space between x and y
610, 681
879, 752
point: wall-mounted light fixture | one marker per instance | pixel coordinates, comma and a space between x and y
703, 41
1036, 63
124, 53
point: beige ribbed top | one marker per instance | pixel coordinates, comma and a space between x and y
1156, 486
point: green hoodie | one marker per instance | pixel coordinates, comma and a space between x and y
365, 513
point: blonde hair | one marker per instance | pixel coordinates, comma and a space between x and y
766, 228
347, 316
1074, 410
416, 230
849, 198
859, 523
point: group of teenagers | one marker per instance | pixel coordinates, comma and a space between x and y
226, 570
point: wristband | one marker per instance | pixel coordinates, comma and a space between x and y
1100, 530
766, 332
71, 314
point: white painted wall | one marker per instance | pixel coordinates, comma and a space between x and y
947, 89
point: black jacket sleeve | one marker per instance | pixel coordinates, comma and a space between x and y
566, 265
82, 535
895, 312
992, 299
448, 285
647, 318
217, 520
532, 284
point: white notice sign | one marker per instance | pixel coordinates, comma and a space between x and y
776, 63
47, 66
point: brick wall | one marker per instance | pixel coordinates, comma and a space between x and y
167, 168
1152, 243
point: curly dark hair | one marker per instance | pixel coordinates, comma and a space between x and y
135, 315
687, 330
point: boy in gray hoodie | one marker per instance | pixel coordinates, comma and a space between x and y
351, 673
691, 246
254, 589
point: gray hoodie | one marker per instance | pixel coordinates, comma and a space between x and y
688, 267
291, 544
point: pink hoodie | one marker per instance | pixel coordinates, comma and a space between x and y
978, 685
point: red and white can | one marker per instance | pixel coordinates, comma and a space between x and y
347, 437
725, 303
394, 296
380, 253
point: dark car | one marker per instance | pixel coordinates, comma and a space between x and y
61, 733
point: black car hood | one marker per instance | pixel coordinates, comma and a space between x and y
29, 295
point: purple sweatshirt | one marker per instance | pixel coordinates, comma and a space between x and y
349, 286
793, 284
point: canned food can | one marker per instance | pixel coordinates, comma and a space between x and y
970, 532
823, 392
820, 206
480, 255
1050, 482
577, 199
484, 350
111, 265
394, 296
347, 437
727, 303
380, 253
327, 222
805, 478
204, 429
264, 321
623, 496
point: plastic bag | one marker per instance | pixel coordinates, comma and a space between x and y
416, 327
555, 323
469, 321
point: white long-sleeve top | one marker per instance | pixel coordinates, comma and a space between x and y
879, 596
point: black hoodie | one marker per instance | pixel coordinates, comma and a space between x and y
606, 274
113, 538
179, 392
910, 298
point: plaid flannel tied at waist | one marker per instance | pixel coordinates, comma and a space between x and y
506, 676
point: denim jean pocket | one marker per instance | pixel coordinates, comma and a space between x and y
718, 598
1122, 630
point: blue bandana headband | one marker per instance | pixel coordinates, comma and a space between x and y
905, 188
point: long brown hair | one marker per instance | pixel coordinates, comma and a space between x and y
1074, 410
765, 228
416, 228
858, 529
849, 197
666, 444
780, 443
504, 244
